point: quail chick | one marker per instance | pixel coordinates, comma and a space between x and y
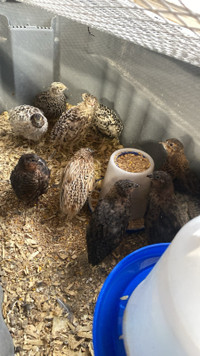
77, 182
30, 178
28, 121
72, 124
109, 221
52, 101
177, 164
192, 202
107, 122
165, 214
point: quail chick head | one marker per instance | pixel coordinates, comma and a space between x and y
28, 121
177, 165
176, 160
52, 101
165, 214
107, 122
77, 182
110, 220
72, 124
30, 178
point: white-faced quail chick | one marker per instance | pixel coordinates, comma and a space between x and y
77, 182
72, 124
107, 122
28, 121
109, 221
177, 165
30, 178
52, 101
166, 213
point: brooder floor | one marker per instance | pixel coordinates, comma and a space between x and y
50, 290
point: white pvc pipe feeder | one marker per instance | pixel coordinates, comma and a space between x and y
115, 173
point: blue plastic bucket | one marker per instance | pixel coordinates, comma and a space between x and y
114, 295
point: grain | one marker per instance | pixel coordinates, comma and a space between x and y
132, 162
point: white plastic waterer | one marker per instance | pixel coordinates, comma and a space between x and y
162, 316
114, 173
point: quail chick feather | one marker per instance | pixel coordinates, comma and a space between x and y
72, 124
109, 221
177, 165
77, 182
166, 213
28, 121
107, 122
30, 178
52, 101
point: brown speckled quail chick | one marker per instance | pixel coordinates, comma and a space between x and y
165, 213
107, 122
72, 124
28, 121
109, 221
30, 178
177, 165
52, 101
77, 182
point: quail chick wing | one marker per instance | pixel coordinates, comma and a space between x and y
30, 178
72, 125
191, 202
28, 121
77, 182
107, 121
109, 221
52, 101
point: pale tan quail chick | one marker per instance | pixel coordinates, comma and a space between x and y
30, 178
73, 124
52, 101
28, 121
107, 122
77, 182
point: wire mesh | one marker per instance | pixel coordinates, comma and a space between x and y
170, 27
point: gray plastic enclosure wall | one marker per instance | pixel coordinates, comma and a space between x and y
156, 97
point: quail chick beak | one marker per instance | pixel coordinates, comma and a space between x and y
91, 150
84, 96
150, 176
163, 144
63, 87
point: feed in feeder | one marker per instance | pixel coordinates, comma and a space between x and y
144, 165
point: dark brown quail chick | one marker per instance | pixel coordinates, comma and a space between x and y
30, 178
109, 221
72, 124
107, 122
165, 214
77, 182
52, 101
28, 121
177, 165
